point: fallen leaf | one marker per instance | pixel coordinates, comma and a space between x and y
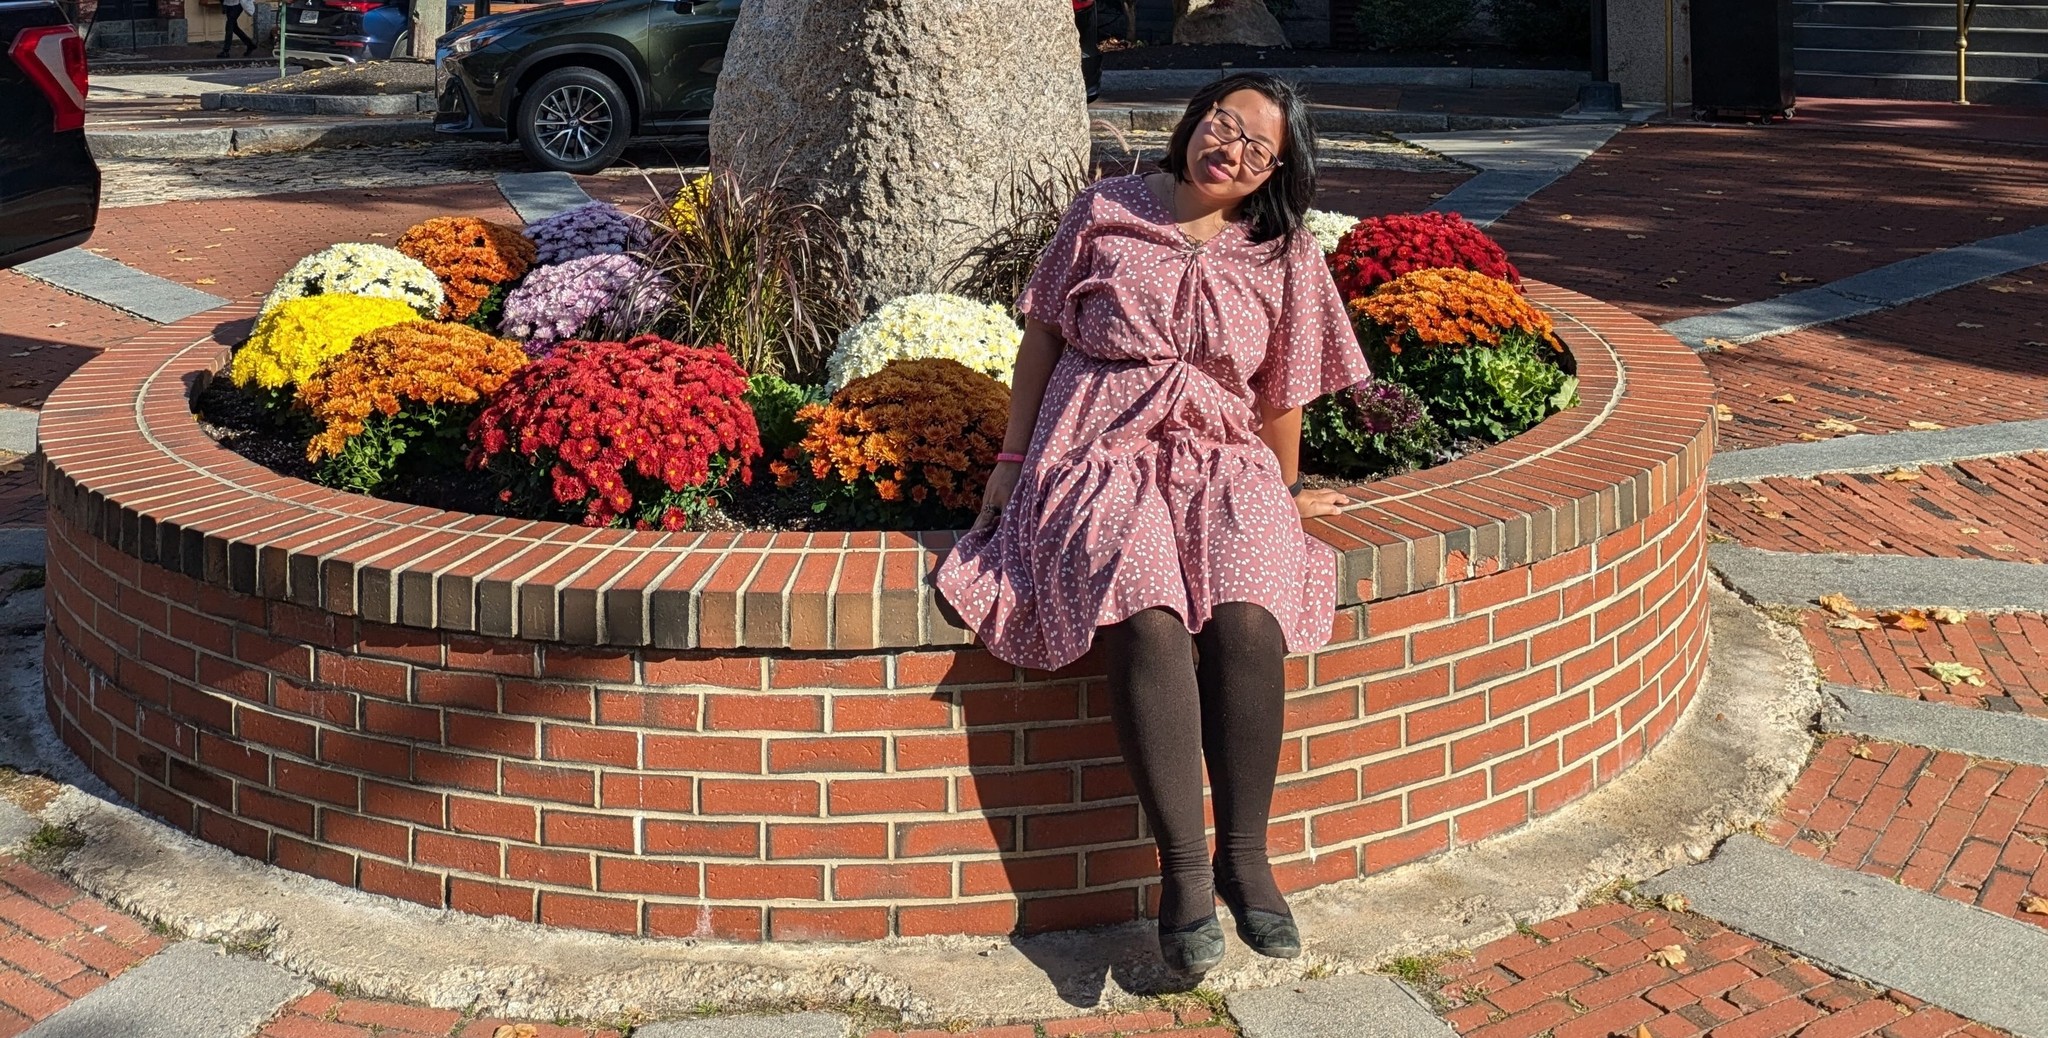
1920, 426
1852, 623
1564, 216
2001, 288
1901, 475
1670, 956
1717, 299
1949, 673
1860, 751
1905, 619
227, 230
1724, 413
206, 281
1674, 902
2003, 547
1719, 344
1948, 615
59, 324
1835, 425
1995, 219
1643, 1031
2034, 905
1755, 499
1637, 237
516, 1031
1668, 281
9, 468
1784, 398
1968, 530
1837, 604
1781, 252
1792, 279
1968, 324
1811, 438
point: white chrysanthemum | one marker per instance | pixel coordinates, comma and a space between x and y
352, 268
928, 325
1329, 228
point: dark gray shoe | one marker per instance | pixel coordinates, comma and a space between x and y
1268, 933
1193, 949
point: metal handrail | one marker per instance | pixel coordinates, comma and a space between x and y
1965, 10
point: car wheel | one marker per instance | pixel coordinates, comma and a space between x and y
575, 120
402, 46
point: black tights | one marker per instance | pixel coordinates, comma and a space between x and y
234, 17
1171, 712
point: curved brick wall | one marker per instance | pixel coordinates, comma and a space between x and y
778, 737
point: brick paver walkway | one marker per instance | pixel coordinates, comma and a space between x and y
2010, 649
57, 945
1968, 829
323, 1014
1993, 508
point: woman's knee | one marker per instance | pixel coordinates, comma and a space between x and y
1151, 630
1243, 626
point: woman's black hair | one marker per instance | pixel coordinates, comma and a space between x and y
1276, 210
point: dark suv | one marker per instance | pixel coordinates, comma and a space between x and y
574, 81
49, 184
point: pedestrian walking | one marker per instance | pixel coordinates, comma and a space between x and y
232, 11
1148, 494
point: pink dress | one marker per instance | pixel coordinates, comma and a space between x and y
1146, 483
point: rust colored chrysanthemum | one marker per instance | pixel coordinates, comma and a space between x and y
470, 256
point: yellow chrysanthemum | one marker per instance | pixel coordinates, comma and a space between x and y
294, 337
690, 199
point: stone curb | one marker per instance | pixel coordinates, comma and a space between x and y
2017, 738
1881, 581
188, 990
319, 104
1327, 119
1483, 78
121, 286
537, 196
1878, 452
786, 1025
1358, 1006
1957, 956
219, 142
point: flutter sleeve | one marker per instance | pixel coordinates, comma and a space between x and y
1313, 350
1048, 296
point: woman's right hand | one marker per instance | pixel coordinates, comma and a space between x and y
1002, 482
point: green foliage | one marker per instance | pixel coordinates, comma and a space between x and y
1487, 393
998, 267
1411, 24
1344, 435
490, 309
1561, 27
774, 401
419, 442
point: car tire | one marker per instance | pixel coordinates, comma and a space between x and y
402, 46
575, 120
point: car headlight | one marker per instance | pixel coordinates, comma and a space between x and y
464, 44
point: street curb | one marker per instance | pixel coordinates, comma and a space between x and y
1483, 78
188, 990
1878, 452
319, 104
223, 142
1848, 710
1881, 581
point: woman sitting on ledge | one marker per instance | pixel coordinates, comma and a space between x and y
1148, 493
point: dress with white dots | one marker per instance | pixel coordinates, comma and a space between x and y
1146, 484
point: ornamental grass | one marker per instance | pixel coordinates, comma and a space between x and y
911, 445
646, 433
980, 335
1382, 248
473, 258
296, 336
352, 268
400, 400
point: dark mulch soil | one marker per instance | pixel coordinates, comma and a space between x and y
368, 78
1171, 56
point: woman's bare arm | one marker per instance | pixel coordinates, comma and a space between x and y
1282, 432
1036, 356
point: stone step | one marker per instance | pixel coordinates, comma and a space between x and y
1931, 15
1922, 87
1987, 65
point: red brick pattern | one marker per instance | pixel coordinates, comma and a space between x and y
324, 1014
1182, 1022
1592, 974
2011, 649
1536, 623
56, 945
1967, 829
1970, 356
1992, 508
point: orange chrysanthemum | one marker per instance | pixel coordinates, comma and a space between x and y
1449, 307
470, 256
916, 431
420, 362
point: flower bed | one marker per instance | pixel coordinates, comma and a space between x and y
778, 735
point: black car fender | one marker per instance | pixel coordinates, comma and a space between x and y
624, 69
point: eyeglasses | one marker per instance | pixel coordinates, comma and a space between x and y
1227, 129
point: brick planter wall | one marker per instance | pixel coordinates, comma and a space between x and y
779, 737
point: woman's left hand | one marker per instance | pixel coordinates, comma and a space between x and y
1312, 503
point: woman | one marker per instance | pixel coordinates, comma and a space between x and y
232, 10
1148, 491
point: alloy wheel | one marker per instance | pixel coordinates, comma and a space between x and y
573, 122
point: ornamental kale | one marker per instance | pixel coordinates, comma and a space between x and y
595, 229
1374, 428
588, 297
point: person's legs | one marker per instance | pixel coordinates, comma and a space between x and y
235, 27
1242, 675
1158, 719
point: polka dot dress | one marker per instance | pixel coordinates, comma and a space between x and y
1146, 483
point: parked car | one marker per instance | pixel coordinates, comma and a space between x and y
574, 82
343, 32
49, 184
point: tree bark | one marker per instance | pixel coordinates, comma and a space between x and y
905, 118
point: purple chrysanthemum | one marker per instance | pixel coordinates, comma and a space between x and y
595, 229
594, 294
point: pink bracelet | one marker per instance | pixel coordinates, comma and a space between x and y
1007, 456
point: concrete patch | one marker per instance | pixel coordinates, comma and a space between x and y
189, 990
1866, 452
1493, 194
537, 196
1959, 957
120, 286
788, 1025
21, 546
1881, 581
1557, 148
1340, 1007
23, 612
318, 104
17, 827
1721, 769
18, 429
1980, 733
263, 140
1890, 285
209, 143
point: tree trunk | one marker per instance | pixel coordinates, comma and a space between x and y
905, 118
429, 21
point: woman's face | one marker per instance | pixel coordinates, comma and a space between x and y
1236, 146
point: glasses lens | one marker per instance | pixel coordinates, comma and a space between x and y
1229, 131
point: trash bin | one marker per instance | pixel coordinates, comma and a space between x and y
1742, 58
